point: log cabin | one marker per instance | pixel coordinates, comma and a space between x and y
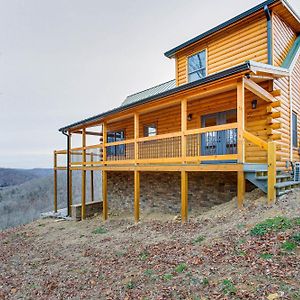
229, 117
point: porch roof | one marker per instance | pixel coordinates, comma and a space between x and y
148, 96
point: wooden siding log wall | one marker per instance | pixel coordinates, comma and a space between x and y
296, 101
283, 152
284, 37
247, 41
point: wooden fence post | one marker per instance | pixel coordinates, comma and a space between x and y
83, 176
104, 195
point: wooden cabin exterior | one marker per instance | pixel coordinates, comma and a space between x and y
232, 107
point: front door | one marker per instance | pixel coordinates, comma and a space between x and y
219, 142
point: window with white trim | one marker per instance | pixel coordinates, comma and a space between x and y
197, 66
150, 130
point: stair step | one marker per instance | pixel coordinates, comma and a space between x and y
285, 184
281, 193
282, 176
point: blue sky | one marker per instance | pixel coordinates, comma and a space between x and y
64, 60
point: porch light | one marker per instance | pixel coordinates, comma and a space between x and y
189, 117
254, 104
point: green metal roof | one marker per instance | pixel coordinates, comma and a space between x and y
163, 87
292, 53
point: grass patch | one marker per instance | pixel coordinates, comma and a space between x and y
167, 277
130, 285
149, 272
296, 238
198, 239
266, 256
180, 268
288, 246
100, 230
276, 224
205, 281
144, 255
228, 287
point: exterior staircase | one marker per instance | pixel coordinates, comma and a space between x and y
258, 175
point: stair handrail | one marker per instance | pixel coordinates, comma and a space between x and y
270, 147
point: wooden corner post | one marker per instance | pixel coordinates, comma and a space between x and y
104, 196
136, 196
55, 181
184, 196
83, 176
241, 141
271, 172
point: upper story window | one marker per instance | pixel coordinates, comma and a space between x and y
197, 66
295, 130
150, 130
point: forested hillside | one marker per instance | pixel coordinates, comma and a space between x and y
23, 203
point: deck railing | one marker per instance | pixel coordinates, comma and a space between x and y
203, 144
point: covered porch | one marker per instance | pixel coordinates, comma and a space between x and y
218, 126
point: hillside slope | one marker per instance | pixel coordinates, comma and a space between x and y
224, 253
23, 203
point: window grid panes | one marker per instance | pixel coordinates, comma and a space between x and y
197, 66
116, 136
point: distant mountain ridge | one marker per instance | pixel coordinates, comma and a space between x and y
12, 177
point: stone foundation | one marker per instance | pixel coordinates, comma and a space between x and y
161, 190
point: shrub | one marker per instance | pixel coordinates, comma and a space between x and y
275, 224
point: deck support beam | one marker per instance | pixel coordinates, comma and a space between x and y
83, 178
184, 196
136, 196
69, 161
241, 189
271, 172
258, 90
92, 178
104, 196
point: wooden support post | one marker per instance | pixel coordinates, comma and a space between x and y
92, 178
70, 173
241, 189
184, 196
271, 172
183, 128
104, 133
55, 182
136, 136
71, 191
104, 195
241, 120
83, 179
136, 196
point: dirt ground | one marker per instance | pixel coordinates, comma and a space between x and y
213, 256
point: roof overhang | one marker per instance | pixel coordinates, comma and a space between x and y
247, 67
281, 7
